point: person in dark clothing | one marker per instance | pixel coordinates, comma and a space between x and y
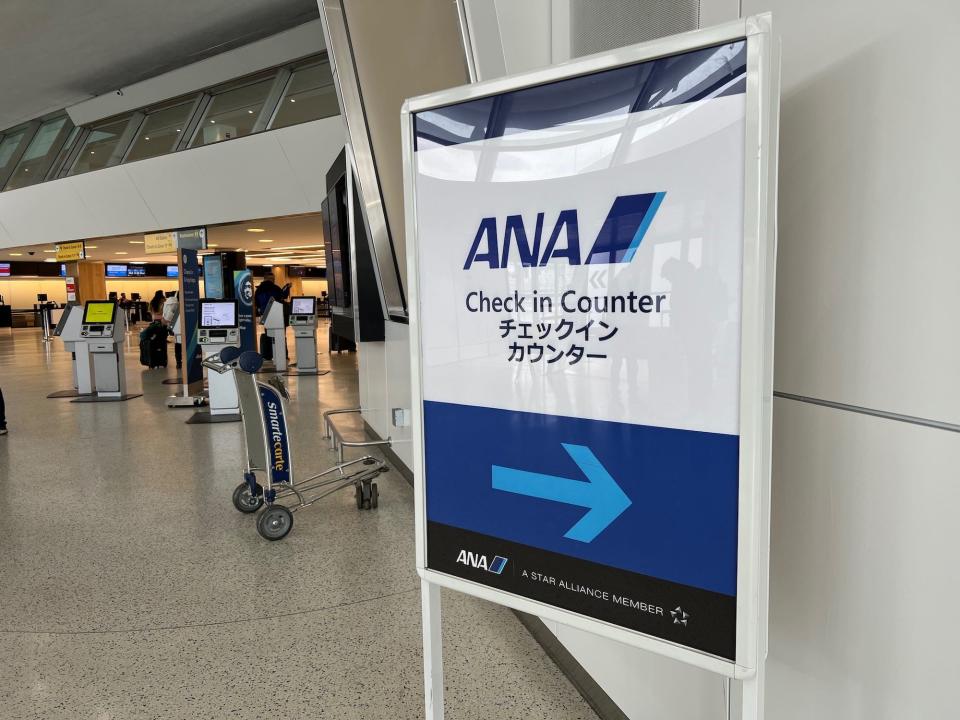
156, 304
3, 415
269, 290
266, 291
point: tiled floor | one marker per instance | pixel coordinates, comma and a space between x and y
131, 588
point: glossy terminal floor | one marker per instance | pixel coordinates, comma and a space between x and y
131, 588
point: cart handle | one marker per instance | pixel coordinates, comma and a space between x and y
366, 443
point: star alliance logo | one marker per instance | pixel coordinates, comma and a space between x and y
679, 616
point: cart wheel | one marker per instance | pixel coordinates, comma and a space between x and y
244, 501
359, 496
369, 461
374, 496
275, 522
365, 495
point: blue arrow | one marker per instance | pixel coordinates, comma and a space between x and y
601, 493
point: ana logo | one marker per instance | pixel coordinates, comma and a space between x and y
617, 242
475, 560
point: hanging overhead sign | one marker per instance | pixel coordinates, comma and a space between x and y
71, 251
157, 243
168, 242
591, 267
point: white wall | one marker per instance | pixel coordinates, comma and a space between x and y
279, 172
864, 533
21, 293
385, 384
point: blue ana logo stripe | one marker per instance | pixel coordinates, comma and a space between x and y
623, 230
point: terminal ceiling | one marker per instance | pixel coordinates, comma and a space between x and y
56, 53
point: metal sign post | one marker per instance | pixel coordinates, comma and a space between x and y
591, 261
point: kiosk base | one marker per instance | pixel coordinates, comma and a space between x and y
115, 398
203, 417
294, 371
172, 381
67, 394
188, 401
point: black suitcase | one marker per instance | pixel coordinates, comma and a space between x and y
145, 352
266, 346
153, 347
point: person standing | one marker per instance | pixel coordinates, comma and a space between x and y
156, 304
3, 415
171, 311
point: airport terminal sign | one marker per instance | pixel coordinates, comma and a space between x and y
71, 251
578, 259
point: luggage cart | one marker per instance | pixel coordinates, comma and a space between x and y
269, 453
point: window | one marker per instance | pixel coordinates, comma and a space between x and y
161, 131
100, 146
232, 113
8, 146
40, 153
310, 96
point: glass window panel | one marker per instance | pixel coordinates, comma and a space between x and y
160, 131
232, 113
39, 154
310, 96
8, 145
99, 147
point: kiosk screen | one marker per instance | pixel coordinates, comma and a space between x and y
304, 306
218, 313
99, 312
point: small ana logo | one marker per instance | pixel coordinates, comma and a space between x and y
679, 616
480, 562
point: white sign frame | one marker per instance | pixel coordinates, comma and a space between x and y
756, 370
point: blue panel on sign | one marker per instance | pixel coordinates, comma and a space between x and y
275, 426
656, 501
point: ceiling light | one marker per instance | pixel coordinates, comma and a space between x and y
265, 240
178, 131
92, 152
138, 262
293, 99
121, 253
49, 251
136, 242
250, 112
16, 254
146, 138
50, 260
239, 250
255, 230
212, 122
91, 247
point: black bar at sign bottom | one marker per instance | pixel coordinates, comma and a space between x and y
698, 619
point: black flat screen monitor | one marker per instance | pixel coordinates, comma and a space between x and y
99, 312
303, 306
218, 314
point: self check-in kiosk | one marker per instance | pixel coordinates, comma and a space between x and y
103, 331
219, 328
68, 330
274, 324
303, 320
